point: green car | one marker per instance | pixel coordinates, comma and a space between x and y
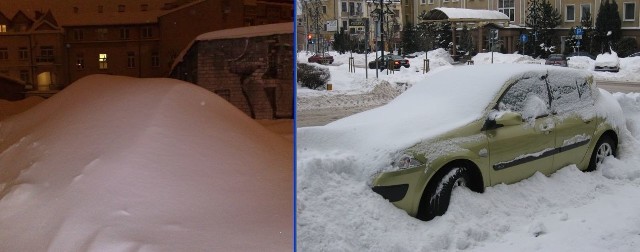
492, 124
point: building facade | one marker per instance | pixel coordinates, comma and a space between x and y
49, 45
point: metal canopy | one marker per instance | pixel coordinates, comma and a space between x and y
443, 14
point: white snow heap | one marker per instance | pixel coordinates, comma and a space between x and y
123, 164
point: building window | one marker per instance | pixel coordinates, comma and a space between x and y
3, 28
78, 34
24, 76
430, 1
570, 13
131, 60
102, 61
100, 8
75, 10
352, 9
324, 9
344, 7
155, 60
147, 32
23, 54
124, 33
102, 33
121, 8
629, 11
508, 8
144, 7
584, 9
80, 61
46, 54
4, 53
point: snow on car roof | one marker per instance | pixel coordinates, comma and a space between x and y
116, 163
445, 101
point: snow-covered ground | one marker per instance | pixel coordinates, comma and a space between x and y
354, 89
123, 164
568, 211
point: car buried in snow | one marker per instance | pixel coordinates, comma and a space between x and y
536, 119
475, 127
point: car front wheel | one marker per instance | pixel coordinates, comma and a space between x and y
436, 197
604, 148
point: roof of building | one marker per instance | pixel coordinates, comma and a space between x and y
249, 31
458, 14
242, 32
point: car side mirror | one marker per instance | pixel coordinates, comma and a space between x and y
509, 119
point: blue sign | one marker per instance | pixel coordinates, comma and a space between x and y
579, 31
578, 43
524, 38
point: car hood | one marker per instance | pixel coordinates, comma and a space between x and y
441, 103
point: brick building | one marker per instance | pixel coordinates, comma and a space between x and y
49, 44
251, 67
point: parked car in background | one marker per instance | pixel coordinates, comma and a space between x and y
585, 54
607, 62
556, 60
321, 58
382, 61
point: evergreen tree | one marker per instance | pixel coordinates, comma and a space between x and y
542, 18
608, 22
465, 45
409, 39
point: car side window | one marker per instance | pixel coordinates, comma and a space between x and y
570, 93
527, 96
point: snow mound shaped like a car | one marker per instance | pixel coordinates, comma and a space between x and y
124, 164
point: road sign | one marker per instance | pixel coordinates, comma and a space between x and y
579, 31
578, 43
578, 36
524, 38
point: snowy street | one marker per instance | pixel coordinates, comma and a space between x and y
570, 210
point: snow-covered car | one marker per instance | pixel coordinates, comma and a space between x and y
382, 61
473, 126
556, 60
321, 58
608, 62
637, 54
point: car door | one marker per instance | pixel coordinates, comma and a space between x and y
518, 151
573, 106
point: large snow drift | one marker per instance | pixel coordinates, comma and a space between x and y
123, 164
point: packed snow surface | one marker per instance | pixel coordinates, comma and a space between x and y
568, 211
122, 164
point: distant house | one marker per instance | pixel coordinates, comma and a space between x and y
11, 89
251, 67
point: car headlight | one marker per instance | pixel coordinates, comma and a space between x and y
406, 161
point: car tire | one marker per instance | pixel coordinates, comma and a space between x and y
605, 147
437, 195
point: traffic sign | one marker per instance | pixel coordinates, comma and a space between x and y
578, 43
579, 31
524, 38
578, 36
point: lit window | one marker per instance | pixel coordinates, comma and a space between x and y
3, 28
102, 61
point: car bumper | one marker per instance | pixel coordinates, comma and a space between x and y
402, 188
607, 69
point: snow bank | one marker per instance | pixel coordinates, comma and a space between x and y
122, 164
9, 108
501, 58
